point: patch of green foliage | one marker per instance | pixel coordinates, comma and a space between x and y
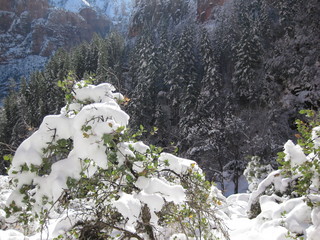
309, 170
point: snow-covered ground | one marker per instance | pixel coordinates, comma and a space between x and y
277, 221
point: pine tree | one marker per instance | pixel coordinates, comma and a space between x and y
182, 77
111, 61
211, 82
143, 96
58, 66
248, 53
91, 56
288, 10
78, 60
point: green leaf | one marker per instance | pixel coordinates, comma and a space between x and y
129, 178
8, 157
107, 138
120, 129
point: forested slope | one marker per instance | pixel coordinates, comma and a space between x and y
221, 89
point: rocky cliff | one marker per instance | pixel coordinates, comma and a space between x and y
205, 9
118, 11
32, 30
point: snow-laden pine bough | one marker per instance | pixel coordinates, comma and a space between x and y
83, 175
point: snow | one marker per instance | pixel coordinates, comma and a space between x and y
273, 223
172, 193
294, 154
129, 207
75, 6
117, 10
13, 68
104, 116
11, 235
316, 136
179, 165
180, 236
229, 185
70, 5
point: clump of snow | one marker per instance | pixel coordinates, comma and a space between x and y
294, 154
282, 215
179, 165
172, 193
255, 172
12, 235
180, 236
129, 207
316, 136
279, 219
313, 232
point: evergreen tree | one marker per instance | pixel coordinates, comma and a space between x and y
288, 10
111, 61
58, 66
182, 76
211, 82
143, 96
78, 60
248, 53
91, 55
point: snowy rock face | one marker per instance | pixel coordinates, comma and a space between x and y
116, 10
205, 7
32, 30
147, 11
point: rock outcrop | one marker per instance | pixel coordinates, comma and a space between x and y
205, 9
32, 30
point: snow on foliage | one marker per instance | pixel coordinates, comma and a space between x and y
67, 125
288, 199
255, 172
84, 159
294, 154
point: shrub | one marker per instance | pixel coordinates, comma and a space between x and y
86, 166
256, 171
301, 162
299, 171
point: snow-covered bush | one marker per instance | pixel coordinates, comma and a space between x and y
293, 192
86, 167
255, 172
301, 162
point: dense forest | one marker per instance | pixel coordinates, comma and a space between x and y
222, 90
